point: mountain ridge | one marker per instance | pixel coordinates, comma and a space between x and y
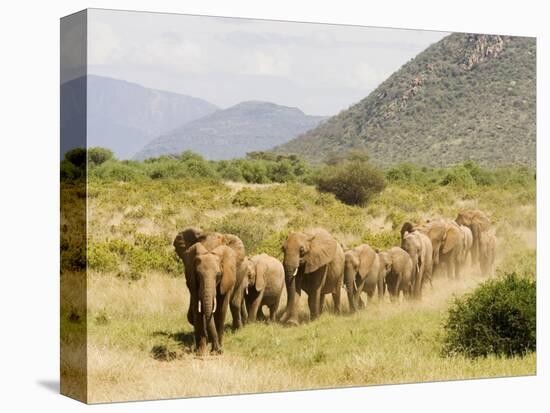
465, 97
230, 133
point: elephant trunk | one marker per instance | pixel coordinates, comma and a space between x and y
207, 301
349, 281
291, 313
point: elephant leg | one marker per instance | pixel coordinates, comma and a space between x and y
261, 315
244, 312
321, 303
336, 299
313, 301
357, 293
273, 311
213, 335
360, 302
351, 297
220, 315
235, 306
255, 307
201, 338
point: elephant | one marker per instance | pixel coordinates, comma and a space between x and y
313, 262
264, 282
478, 222
211, 275
211, 240
447, 244
362, 273
487, 248
419, 248
468, 241
396, 269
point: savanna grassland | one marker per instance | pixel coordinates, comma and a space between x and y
140, 345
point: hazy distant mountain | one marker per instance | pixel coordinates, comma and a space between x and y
231, 133
124, 116
468, 96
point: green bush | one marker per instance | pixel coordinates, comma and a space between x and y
118, 171
98, 155
499, 317
69, 172
77, 157
459, 177
352, 182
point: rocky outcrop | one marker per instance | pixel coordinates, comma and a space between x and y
482, 47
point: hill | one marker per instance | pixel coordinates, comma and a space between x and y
124, 116
465, 97
231, 133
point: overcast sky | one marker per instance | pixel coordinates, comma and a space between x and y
318, 68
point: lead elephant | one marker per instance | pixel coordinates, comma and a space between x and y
313, 262
478, 222
185, 245
362, 273
264, 285
419, 248
396, 269
487, 248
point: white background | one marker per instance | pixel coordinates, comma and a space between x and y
29, 193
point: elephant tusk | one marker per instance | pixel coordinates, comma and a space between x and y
215, 304
295, 272
199, 306
246, 290
355, 285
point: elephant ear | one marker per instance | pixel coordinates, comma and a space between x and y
235, 243
366, 260
189, 263
261, 272
322, 250
228, 268
185, 239
453, 239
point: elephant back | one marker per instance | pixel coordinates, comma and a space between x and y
474, 218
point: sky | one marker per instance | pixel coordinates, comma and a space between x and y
319, 68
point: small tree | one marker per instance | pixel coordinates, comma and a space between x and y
98, 155
353, 182
77, 157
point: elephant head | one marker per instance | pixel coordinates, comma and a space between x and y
185, 239
256, 274
304, 253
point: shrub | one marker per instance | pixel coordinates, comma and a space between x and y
352, 182
99, 155
117, 171
459, 177
77, 157
69, 172
499, 317
251, 228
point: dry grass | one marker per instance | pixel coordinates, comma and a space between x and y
140, 343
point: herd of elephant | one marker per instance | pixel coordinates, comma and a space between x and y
220, 276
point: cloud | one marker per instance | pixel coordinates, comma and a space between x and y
322, 68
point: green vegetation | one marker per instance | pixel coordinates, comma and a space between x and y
352, 181
499, 317
438, 110
139, 343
